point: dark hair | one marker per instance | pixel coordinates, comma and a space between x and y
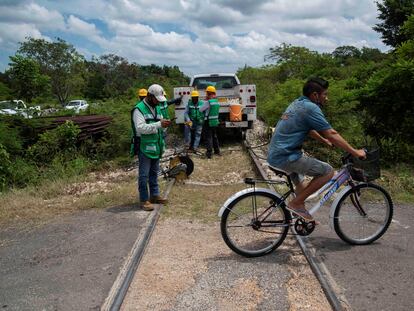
315, 85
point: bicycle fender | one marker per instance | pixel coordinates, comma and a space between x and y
243, 192
335, 204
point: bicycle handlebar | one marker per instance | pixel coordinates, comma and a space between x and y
348, 156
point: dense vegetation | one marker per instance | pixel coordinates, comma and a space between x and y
370, 94
51, 73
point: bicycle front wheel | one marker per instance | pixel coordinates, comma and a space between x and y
255, 224
363, 214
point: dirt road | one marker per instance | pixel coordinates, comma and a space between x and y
187, 266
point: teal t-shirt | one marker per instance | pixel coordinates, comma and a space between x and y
300, 117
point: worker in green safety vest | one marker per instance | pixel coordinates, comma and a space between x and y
164, 109
164, 105
148, 125
211, 109
193, 121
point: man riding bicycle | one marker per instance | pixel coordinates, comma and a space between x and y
303, 118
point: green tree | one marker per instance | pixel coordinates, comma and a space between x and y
296, 61
393, 14
406, 49
5, 91
346, 52
285, 53
110, 76
372, 54
60, 61
26, 80
387, 101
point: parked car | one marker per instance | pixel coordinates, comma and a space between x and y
17, 107
77, 105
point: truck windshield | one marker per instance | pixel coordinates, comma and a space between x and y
218, 82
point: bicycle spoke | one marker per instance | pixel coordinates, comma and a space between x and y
363, 214
254, 236
240, 226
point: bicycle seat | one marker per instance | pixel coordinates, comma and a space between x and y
278, 171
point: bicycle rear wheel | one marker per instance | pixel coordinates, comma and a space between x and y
255, 224
363, 214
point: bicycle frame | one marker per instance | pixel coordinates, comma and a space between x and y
330, 187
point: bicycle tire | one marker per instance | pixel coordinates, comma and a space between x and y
235, 242
359, 196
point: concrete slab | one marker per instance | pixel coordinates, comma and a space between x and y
70, 263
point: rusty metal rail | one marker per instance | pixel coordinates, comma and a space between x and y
90, 125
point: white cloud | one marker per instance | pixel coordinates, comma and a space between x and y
32, 13
12, 34
214, 35
77, 26
23, 20
123, 29
253, 41
196, 35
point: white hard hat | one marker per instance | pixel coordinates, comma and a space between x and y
157, 91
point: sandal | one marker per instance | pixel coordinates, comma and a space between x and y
301, 212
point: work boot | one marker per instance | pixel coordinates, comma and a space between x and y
158, 199
217, 152
147, 206
208, 154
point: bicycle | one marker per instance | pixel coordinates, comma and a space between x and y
255, 221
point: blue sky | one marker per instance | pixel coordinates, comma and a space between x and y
197, 35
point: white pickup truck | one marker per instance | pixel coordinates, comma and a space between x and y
228, 90
17, 107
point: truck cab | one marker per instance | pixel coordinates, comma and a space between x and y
229, 92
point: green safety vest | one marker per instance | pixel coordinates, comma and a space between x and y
213, 114
194, 113
164, 110
134, 139
151, 145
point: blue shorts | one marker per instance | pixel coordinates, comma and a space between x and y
305, 166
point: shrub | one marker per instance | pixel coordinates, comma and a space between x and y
61, 168
61, 140
10, 138
4, 167
23, 173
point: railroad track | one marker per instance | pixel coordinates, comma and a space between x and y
337, 301
120, 287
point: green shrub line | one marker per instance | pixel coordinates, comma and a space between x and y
370, 95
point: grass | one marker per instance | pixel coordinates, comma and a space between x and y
52, 199
212, 182
217, 180
399, 181
200, 203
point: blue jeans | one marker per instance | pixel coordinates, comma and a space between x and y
192, 135
147, 174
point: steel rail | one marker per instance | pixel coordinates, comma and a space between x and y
119, 289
